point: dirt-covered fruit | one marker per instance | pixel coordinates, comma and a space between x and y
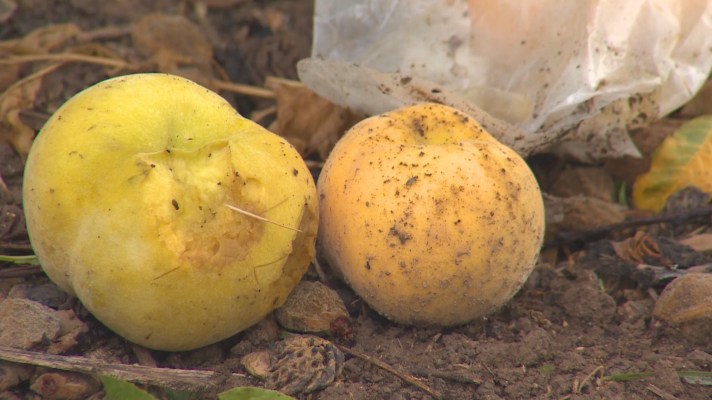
428, 218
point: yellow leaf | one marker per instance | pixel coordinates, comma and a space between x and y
683, 159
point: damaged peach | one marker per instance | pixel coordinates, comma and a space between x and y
174, 220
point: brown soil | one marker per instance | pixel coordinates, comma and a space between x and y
549, 342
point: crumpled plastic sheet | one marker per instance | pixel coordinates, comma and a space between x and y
571, 76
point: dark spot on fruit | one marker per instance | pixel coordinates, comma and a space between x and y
295, 172
402, 236
175, 204
368, 265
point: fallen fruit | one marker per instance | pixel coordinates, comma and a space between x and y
428, 218
176, 221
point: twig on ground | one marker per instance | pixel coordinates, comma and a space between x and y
259, 115
120, 64
410, 379
243, 89
661, 393
669, 218
15, 246
588, 378
69, 57
109, 32
453, 376
320, 271
31, 77
19, 272
179, 379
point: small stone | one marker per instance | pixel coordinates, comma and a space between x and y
49, 295
258, 364
686, 303
311, 307
24, 323
264, 332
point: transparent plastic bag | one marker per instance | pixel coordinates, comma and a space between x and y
572, 76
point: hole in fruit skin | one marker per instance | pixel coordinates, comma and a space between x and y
204, 233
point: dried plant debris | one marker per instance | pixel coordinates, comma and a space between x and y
580, 213
13, 374
644, 259
304, 364
175, 46
308, 121
64, 385
592, 182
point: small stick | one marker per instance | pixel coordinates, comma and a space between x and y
661, 393
319, 271
447, 375
259, 115
19, 272
15, 246
109, 32
180, 379
263, 219
120, 64
243, 89
672, 218
410, 379
68, 57
37, 75
588, 378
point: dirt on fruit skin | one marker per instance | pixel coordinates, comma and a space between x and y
568, 334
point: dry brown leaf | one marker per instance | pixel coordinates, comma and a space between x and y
7, 9
701, 242
701, 104
580, 214
274, 18
12, 129
9, 74
635, 248
13, 374
307, 120
176, 46
646, 140
584, 181
42, 40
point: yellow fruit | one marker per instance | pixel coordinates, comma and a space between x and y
428, 218
126, 193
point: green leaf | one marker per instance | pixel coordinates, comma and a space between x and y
116, 389
696, 377
682, 160
547, 369
30, 260
252, 393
